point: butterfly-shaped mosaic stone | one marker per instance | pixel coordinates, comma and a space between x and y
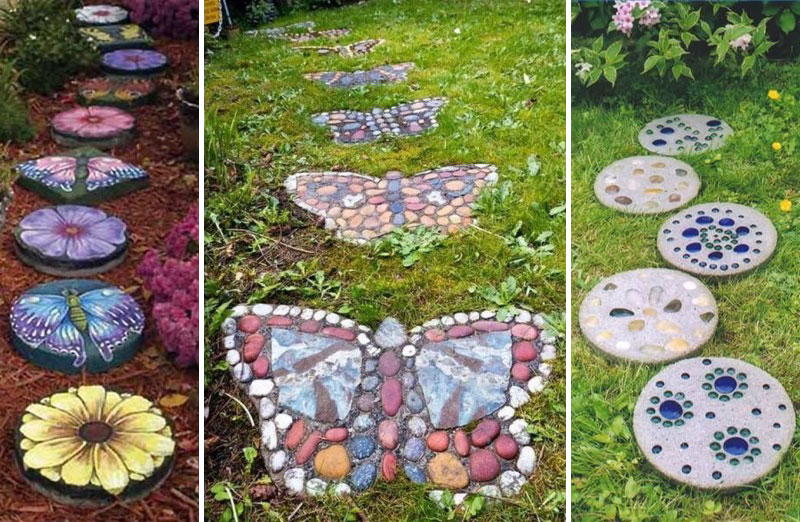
114, 37
361, 208
345, 51
341, 405
378, 75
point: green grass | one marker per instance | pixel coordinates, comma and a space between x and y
758, 312
504, 77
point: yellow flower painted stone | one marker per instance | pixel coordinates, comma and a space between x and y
90, 446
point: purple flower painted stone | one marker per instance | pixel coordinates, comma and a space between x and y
134, 61
70, 240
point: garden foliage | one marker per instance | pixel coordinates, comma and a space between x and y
261, 12
15, 125
166, 18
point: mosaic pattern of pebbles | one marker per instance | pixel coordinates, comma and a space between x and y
717, 239
361, 208
684, 134
134, 62
117, 91
101, 15
378, 75
281, 32
114, 37
310, 35
408, 119
342, 406
646, 184
651, 315
714, 423
345, 51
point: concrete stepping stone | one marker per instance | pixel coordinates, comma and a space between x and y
346, 51
115, 91
90, 446
113, 37
101, 15
650, 315
714, 423
407, 119
342, 406
71, 241
684, 134
646, 184
94, 126
717, 239
377, 76
82, 177
76, 325
134, 62
280, 32
361, 208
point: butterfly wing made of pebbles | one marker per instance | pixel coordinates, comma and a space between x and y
42, 321
316, 35
106, 172
53, 171
112, 316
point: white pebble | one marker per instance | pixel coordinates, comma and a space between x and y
545, 369
332, 318
505, 413
523, 316
517, 396
261, 387
518, 426
242, 372
461, 318
526, 462
294, 480
487, 314
409, 350
547, 337
536, 384
448, 321
229, 342
490, 491
316, 487
266, 408
416, 426
307, 314
342, 489
539, 321
269, 435
240, 310
277, 461
363, 339
432, 323
511, 483
458, 498
416, 330
373, 350
548, 352
229, 325
295, 311
283, 421
319, 315
474, 316
233, 357
263, 310
281, 310
348, 323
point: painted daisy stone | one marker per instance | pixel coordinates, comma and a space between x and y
117, 91
684, 134
714, 423
136, 62
71, 241
91, 446
113, 37
74, 325
101, 15
95, 126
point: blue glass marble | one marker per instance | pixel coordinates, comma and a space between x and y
670, 410
725, 384
736, 446
691, 232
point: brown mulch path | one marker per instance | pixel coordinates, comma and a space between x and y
150, 214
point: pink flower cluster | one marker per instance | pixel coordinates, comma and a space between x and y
174, 281
623, 18
169, 18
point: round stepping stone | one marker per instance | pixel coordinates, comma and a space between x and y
101, 15
92, 447
646, 184
74, 325
717, 239
714, 423
113, 37
118, 92
684, 134
94, 126
650, 315
135, 62
71, 241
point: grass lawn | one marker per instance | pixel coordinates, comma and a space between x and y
758, 312
501, 65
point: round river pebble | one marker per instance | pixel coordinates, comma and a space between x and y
684, 134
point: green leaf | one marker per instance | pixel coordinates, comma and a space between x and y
722, 50
610, 74
613, 50
594, 76
651, 62
748, 63
533, 166
631, 488
787, 21
676, 71
795, 7
687, 38
597, 45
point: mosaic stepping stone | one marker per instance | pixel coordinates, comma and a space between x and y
346, 51
378, 75
114, 37
684, 134
361, 208
310, 35
117, 91
646, 184
342, 406
714, 423
91, 446
408, 119
651, 315
71, 241
134, 62
74, 325
94, 126
717, 239
280, 32
101, 15
82, 177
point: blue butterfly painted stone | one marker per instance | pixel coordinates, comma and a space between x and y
76, 324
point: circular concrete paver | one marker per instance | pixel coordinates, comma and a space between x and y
684, 134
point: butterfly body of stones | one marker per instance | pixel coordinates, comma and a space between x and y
341, 406
376, 76
346, 51
361, 208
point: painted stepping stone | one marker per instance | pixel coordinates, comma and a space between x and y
684, 134
346, 51
378, 75
714, 423
717, 239
650, 315
408, 119
342, 406
361, 208
134, 62
94, 126
117, 91
114, 37
71, 241
646, 184
101, 15
73, 325
91, 446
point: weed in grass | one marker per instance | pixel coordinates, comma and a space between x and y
409, 244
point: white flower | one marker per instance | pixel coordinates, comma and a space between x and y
583, 70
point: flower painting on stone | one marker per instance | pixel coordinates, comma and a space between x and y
101, 14
134, 60
93, 122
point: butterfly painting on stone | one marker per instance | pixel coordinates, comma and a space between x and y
341, 405
361, 208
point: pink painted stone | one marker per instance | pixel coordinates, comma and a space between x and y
520, 371
278, 320
490, 326
376, 200
461, 443
524, 351
438, 441
388, 434
340, 333
249, 324
389, 467
506, 447
485, 433
525, 331
415, 206
295, 434
435, 335
391, 396
414, 127
461, 330
389, 364
309, 326
252, 347
260, 367
483, 466
358, 135
308, 448
336, 434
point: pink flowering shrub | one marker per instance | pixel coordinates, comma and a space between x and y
167, 18
173, 278
624, 16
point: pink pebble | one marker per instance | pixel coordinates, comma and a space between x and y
506, 447
260, 367
524, 351
309, 326
520, 371
336, 434
435, 335
249, 324
278, 320
525, 331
